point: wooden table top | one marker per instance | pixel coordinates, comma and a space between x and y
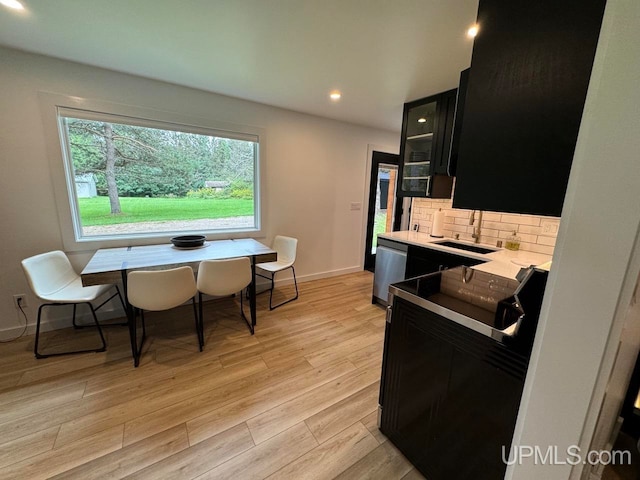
107, 264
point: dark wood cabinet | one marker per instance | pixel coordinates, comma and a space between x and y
530, 70
449, 396
457, 122
425, 146
446, 117
421, 261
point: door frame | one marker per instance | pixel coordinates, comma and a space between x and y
377, 158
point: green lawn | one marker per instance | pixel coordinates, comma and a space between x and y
379, 226
96, 211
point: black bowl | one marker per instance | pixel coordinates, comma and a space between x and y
188, 241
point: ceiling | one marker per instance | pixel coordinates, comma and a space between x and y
286, 53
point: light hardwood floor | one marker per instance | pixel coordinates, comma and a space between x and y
295, 401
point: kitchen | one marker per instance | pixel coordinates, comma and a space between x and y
589, 220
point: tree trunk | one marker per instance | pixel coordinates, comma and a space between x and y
112, 188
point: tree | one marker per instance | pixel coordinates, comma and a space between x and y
129, 160
99, 148
110, 169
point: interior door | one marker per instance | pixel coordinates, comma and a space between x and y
382, 202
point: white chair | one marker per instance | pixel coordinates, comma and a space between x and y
286, 248
53, 280
156, 290
221, 278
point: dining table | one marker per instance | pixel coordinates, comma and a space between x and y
112, 265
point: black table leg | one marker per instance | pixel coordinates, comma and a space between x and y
128, 310
131, 321
252, 294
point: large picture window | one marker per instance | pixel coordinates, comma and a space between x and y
135, 177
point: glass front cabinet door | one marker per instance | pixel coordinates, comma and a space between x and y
425, 146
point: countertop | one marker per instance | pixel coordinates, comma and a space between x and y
502, 262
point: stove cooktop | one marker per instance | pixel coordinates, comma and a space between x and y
481, 296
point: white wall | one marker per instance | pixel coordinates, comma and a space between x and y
315, 167
594, 267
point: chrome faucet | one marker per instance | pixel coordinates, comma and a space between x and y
478, 230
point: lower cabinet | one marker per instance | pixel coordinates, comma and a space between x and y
421, 261
449, 396
396, 261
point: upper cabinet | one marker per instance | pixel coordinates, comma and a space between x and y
425, 146
527, 85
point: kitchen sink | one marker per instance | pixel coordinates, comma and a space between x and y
465, 246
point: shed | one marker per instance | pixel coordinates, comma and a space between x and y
217, 184
86, 185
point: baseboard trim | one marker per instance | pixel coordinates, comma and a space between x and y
288, 280
59, 323
103, 314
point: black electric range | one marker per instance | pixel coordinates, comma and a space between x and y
456, 353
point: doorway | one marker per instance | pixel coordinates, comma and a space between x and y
382, 202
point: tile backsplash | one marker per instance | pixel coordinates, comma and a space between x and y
537, 233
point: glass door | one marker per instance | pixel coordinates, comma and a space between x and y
418, 148
382, 202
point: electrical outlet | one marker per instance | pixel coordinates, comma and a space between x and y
20, 299
550, 227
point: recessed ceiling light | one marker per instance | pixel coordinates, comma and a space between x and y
15, 4
335, 95
473, 31
422, 120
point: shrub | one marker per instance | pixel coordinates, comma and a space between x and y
241, 193
241, 189
203, 192
206, 192
238, 189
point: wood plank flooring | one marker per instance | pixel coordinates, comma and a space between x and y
297, 400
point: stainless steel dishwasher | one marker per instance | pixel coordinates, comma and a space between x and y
391, 263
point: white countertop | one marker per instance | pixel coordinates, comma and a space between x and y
502, 262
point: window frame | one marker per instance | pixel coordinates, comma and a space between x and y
54, 107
